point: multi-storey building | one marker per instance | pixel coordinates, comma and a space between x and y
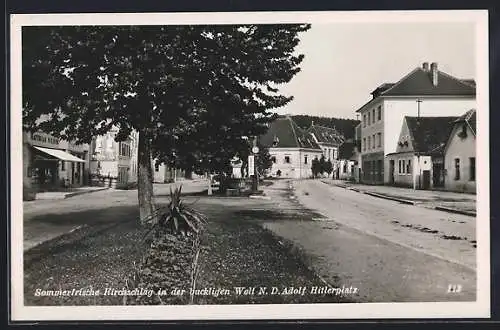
425, 91
50, 163
292, 149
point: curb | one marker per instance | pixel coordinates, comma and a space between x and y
83, 192
260, 197
450, 210
404, 201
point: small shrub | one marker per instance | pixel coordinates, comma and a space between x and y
177, 218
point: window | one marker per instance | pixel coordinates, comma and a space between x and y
472, 168
457, 168
379, 112
157, 167
63, 166
369, 118
364, 144
305, 159
379, 135
408, 166
287, 159
373, 141
273, 158
373, 115
364, 120
369, 142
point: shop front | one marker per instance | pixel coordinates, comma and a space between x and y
51, 164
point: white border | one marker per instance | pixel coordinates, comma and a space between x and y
478, 309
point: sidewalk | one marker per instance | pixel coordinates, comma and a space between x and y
454, 202
67, 194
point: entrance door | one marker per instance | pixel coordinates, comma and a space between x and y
437, 175
427, 179
391, 171
72, 173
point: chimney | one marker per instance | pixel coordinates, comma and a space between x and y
434, 72
425, 66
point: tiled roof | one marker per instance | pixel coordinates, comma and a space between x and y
419, 82
284, 133
326, 134
429, 134
470, 118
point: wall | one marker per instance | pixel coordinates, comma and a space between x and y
296, 168
462, 149
395, 109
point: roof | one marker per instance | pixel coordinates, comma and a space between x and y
470, 118
419, 83
429, 134
285, 133
326, 134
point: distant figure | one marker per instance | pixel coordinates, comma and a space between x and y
278, 173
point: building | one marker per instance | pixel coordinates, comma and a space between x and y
425, 92
347, 160
460, 155
356, 156
329, 140
419, 157
164, 174
52, 164
114, 160
291, 148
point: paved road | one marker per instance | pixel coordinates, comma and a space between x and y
390, 251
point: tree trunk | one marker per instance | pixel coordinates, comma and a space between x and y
145, 180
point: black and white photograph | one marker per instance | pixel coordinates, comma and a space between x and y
232, 166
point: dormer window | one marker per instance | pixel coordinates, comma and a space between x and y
275, 141
463, 133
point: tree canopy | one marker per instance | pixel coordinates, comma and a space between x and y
190, 91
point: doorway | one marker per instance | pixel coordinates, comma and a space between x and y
437, 175
426, 177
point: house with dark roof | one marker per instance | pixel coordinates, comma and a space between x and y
347, 160
418, 161
426, 92
460, 154
329, 140
291, 148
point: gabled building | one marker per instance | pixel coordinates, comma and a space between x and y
328, 139
460, 154
425, 92
291, 148
418, 161
347, 160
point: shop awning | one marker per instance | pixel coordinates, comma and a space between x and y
60, 154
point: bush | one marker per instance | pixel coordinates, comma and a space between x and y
28, 193
172, 260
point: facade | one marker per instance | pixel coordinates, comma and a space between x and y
113, 160
164, 174
418, 160
291, 148
460, 155
425, 92
51, 164
329, 140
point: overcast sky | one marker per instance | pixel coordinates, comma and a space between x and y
344, 62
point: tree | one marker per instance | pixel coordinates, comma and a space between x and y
190, 91
315, 167
322, 165
328, 167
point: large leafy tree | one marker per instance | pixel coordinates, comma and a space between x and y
190, 91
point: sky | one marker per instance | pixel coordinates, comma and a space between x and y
345, 62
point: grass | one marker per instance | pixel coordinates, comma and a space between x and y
235, 251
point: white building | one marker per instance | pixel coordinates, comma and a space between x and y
422, 92
291, 148
460, 155
329, 140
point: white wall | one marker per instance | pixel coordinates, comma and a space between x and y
396, 109
296, 168
462, 149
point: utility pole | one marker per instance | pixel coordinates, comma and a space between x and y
255, 152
